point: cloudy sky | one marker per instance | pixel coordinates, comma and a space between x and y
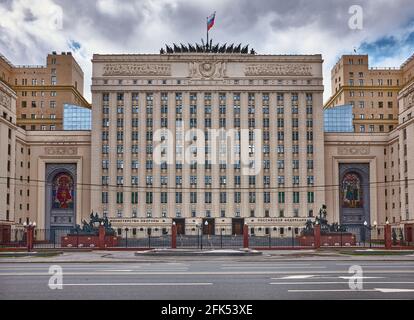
29, 29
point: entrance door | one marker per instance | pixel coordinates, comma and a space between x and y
180, 224
210, 227
237, 226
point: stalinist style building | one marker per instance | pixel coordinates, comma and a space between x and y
215, 136
139, 99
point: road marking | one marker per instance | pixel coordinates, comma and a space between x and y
382, 290
303, 276
272, 267
389, 290
358, 277
340, 282
114, 270
408, 264
140, 284
322, 277
200, 273
334, 290
266, 264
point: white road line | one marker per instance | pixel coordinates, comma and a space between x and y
382, 290
389, 290
408, 264
272, 267
340, 282
323, 277
334, 290
201, 273
267, 264
301, 276
114, 270
140, 284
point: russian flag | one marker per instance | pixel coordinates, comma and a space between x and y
210, 21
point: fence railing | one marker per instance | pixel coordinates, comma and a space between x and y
50, 238
54, 238
16, 239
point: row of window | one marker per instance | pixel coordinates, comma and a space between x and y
207, 180
149, 148
52, 104
41, 93
207, 96
208, 197
281, 214
149, 164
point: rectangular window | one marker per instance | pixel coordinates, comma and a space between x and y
295, 197
119, 197
178, 197
311, 197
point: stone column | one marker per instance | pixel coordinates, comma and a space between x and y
101, 237
245, 236
317, 236
387, 236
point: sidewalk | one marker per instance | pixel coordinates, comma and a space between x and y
275, 255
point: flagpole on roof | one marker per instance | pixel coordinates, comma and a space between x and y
207, 32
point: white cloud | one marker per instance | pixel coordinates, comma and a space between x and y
29, 30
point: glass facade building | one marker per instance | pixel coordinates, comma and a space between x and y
338, 119
76, 118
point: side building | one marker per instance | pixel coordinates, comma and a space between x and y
372, 92
44, 175
42, 91
371, 172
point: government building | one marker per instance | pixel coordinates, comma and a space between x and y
214, 136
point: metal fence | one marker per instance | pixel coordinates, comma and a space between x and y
50, 238
17, 239
147, 242
366, 237
273, 242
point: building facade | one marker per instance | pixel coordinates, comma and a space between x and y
42, 91
373, 92
145, 103
210, 139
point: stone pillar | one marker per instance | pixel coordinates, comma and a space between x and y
173, 236
101, 237
245, 236
387, 236
317, 236
29, 238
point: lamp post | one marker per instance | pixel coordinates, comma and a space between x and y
29, 234
126, 237
206, 224
370, 228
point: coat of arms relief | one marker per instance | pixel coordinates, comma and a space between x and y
207, 69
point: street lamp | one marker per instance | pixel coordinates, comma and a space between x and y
126, 237
202, 231
370, 228
29, 233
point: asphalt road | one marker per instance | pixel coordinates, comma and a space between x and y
214, 279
